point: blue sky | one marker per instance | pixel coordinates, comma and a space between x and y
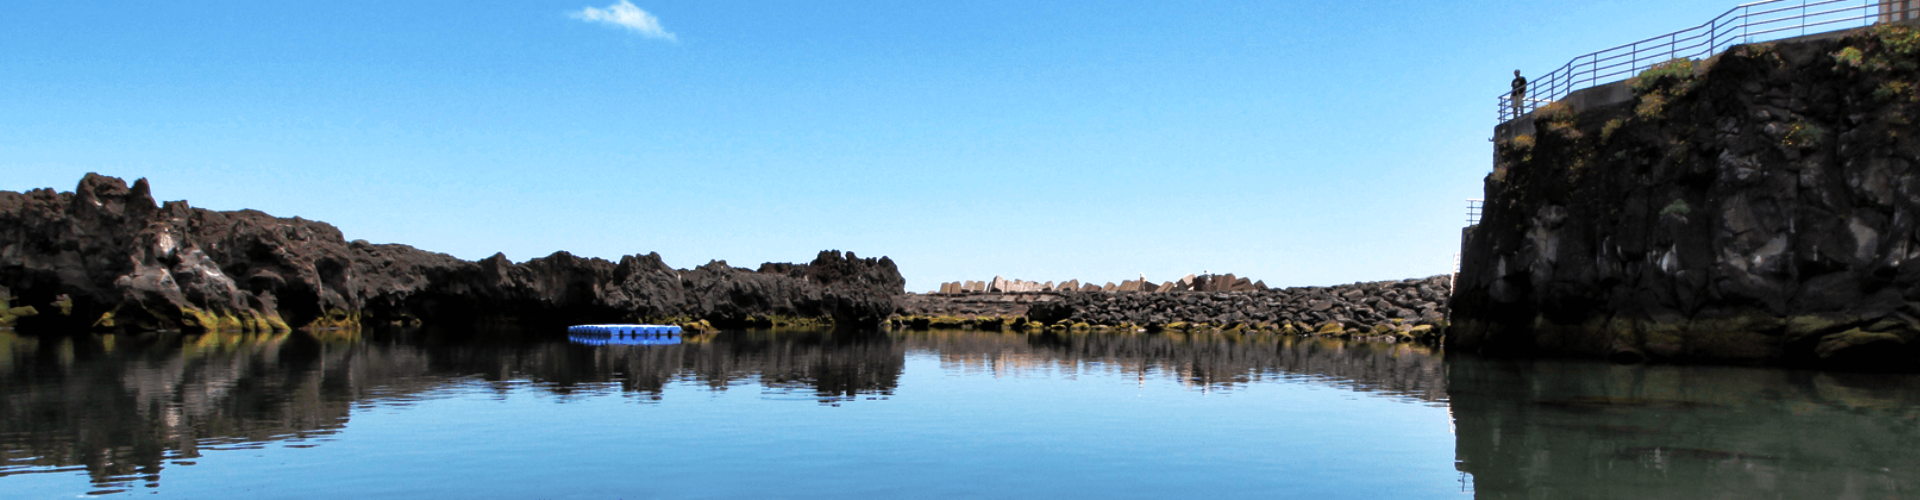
1302, 143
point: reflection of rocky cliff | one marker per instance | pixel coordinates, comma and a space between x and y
125, 407
832, 367
1200, 359
122, 407
1555, 429
106, 257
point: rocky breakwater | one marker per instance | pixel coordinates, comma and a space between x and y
1399, 310
1203, 283
106, 257
966, 310
1757, 207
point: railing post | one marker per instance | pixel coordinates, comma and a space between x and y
1593, 67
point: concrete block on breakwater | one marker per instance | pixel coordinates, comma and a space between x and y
1202, 283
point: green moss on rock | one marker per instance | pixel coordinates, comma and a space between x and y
1854, 340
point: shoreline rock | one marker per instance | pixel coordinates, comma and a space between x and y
106, 257
1757, 207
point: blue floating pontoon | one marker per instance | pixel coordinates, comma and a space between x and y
623, 330
624, 334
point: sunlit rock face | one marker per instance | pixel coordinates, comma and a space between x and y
1756, 207
106, 257
1571, 429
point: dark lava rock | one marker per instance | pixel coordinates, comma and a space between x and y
1049, 312
110, 259
1761, 209
1293, 309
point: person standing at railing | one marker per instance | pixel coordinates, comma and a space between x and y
1519, 93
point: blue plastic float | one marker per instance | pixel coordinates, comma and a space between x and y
624, 334
623, 330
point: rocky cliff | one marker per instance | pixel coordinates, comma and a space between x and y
1756, 207
107, 257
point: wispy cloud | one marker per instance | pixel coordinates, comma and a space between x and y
625, 15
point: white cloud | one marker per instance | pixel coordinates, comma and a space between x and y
625, 15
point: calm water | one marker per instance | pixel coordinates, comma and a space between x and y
922, 415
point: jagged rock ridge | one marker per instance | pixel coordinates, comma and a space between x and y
107, 257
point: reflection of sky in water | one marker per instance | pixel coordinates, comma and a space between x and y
921, 414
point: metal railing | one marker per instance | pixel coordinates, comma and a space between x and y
1748, 23
1473, 219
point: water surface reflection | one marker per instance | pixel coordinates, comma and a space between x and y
1206, 361
119, 406
1577, 429
123, 408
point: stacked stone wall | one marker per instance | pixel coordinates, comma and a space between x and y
1405, 310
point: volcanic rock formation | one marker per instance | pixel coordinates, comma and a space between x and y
1760, 206
106, 257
